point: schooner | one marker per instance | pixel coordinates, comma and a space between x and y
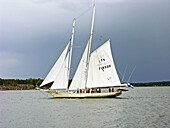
96, 74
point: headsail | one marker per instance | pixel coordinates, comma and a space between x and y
102, 71
79, 79
61, 81
56, 68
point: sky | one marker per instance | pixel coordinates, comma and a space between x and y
33, 34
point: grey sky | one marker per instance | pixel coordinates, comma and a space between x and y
34, 32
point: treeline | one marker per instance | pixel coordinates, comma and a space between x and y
163, 83
19, 84
14, 82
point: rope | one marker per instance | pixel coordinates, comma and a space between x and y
43, 93
124, 72
131, 74
84, 12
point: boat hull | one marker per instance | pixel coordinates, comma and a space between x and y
57, 94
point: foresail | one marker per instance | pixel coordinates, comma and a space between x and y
56, 68
61, 80
79, 78
102, 71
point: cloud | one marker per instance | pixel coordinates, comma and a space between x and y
33, 34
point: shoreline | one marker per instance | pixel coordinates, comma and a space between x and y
15, 89
37, 89
31, 84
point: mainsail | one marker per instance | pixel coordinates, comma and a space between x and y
61, 80
102, 71
79, 79
56, 68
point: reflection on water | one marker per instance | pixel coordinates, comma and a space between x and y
140, 107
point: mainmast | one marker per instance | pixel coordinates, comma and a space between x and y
72, 37
90, 41
91, 34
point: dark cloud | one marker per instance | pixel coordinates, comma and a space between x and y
33, 34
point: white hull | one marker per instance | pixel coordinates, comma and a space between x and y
57, 94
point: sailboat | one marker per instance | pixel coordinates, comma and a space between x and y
96, 74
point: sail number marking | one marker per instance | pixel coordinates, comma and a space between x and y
104, 67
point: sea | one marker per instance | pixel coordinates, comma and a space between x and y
141, 107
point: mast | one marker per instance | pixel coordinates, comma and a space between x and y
72, 37
90, 41
91, 34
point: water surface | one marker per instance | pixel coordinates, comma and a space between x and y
142, 107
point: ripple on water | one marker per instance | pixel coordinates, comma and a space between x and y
140, 107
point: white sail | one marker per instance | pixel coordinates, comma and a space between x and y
61, 80
102, 71
95, 70
55, 69
79, 79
